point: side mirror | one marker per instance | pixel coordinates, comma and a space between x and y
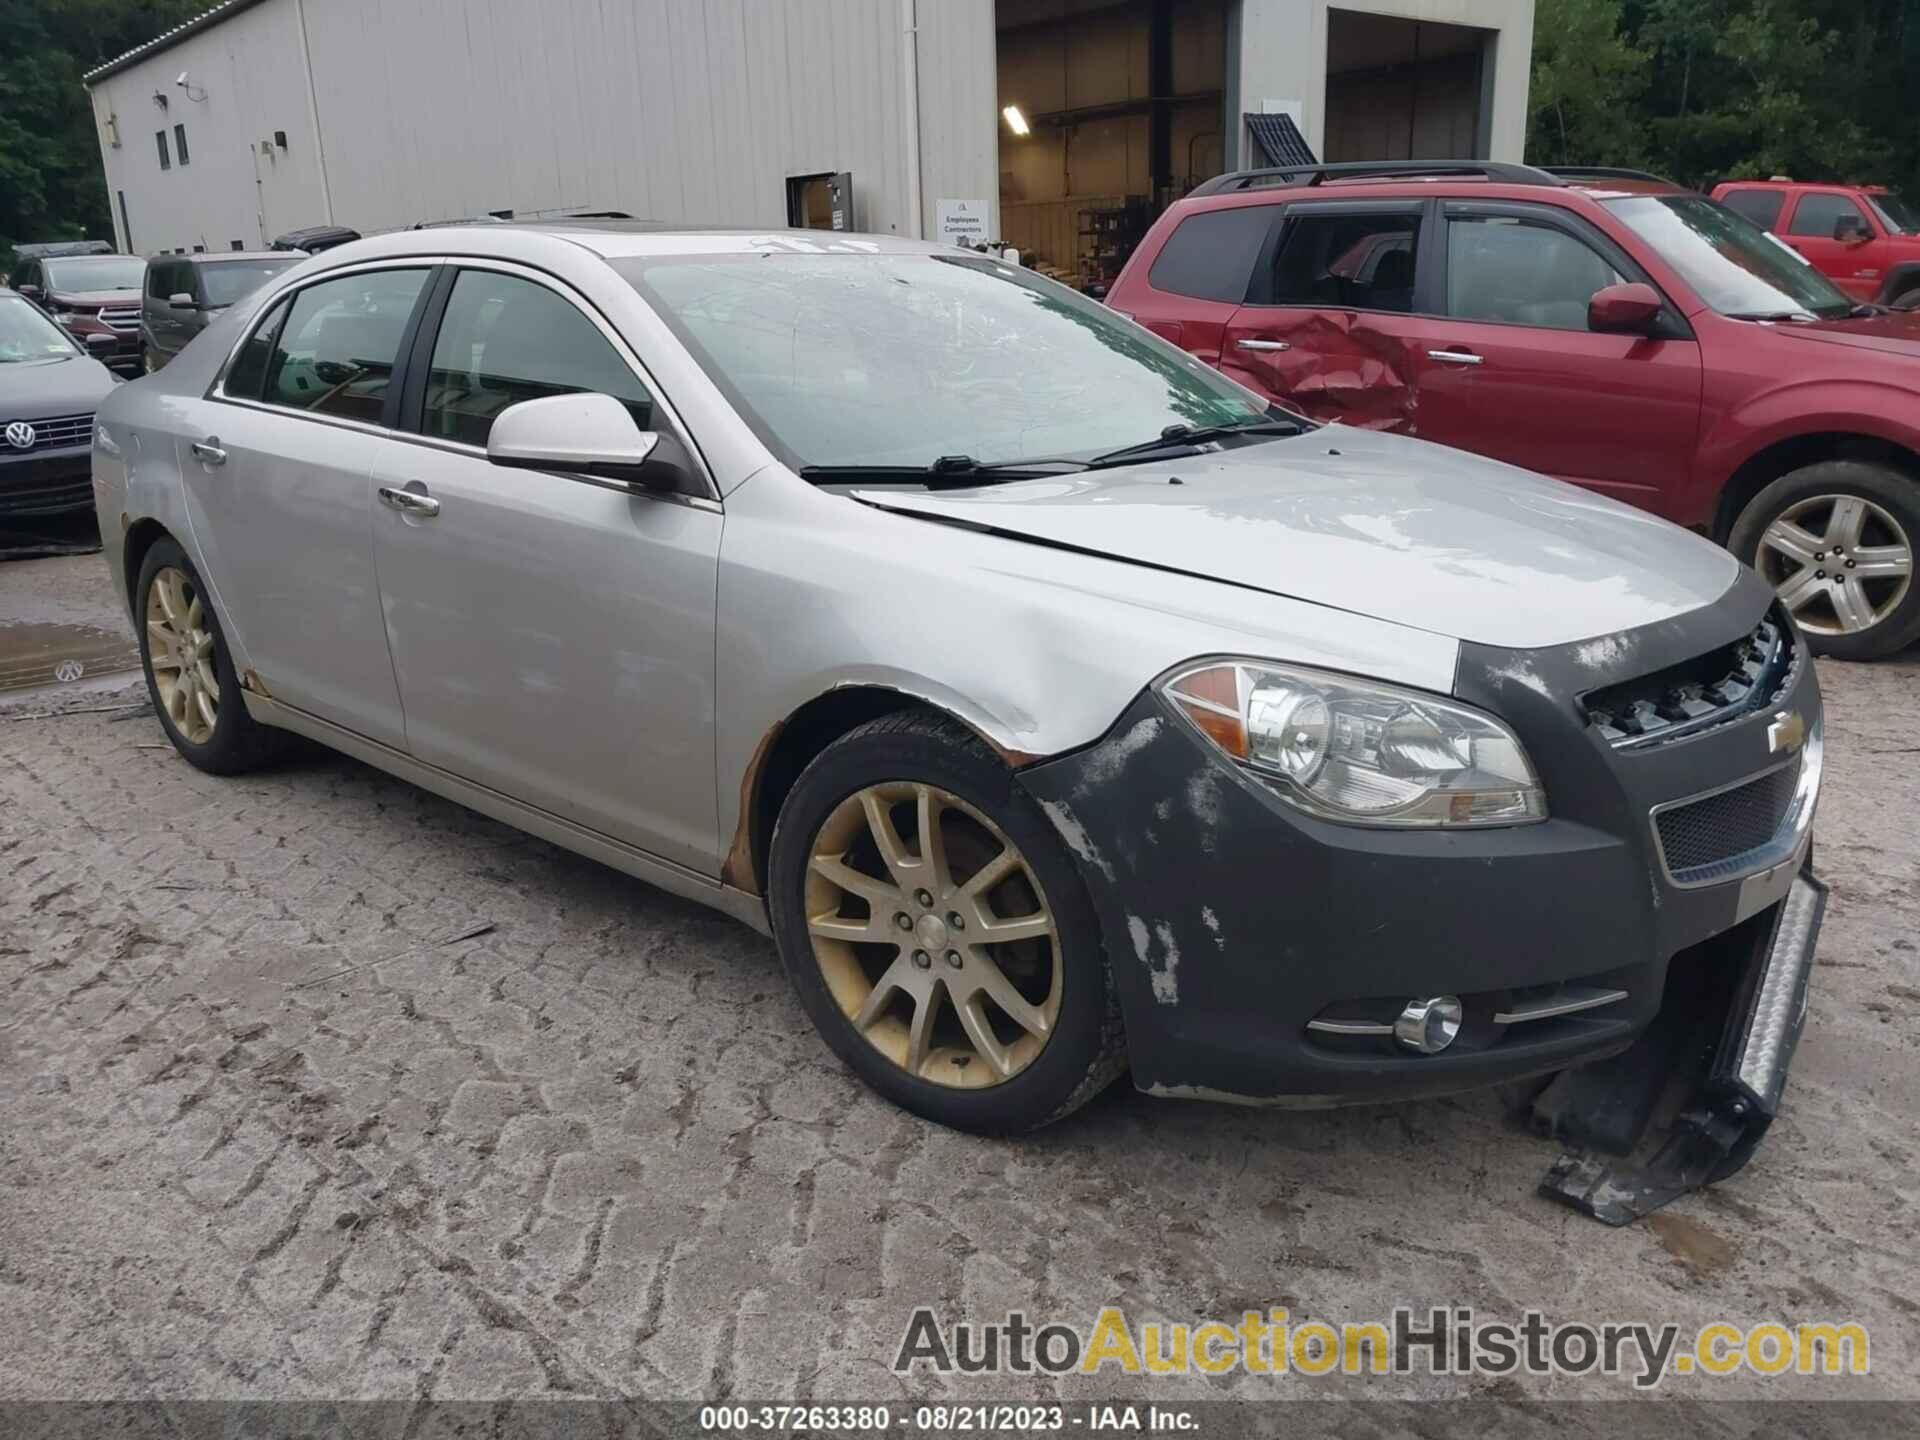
32, 292
101, 340
583, 434
1624, 310
1851, 232
181, 300
1096, 291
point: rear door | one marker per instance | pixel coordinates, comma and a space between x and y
1858, 265
1331, 326
278, 466
1201, 277
552, 634
1514, 373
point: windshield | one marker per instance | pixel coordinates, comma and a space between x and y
1737, 268
95, 272
1895, 213
902, 360
225, 281
26, 334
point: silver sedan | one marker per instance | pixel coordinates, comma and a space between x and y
1056, 705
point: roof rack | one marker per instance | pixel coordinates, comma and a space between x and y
1604, 172
1363, 169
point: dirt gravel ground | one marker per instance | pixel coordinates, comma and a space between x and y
314, 1085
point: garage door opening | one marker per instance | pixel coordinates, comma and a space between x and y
1118, 112
1406, 89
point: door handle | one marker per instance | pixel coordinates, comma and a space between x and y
1456, 357
409, 502
1261, 345
208, 451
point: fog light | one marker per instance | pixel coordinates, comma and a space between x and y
1429, 1026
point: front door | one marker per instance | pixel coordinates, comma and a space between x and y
1330, 326
1856, 263
1512, 371
280, 493
552, 634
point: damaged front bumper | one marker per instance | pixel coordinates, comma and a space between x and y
1724, 1081
1262, 954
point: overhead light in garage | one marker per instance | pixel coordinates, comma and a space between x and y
1016, 122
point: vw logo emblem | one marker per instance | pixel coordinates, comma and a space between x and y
20, 435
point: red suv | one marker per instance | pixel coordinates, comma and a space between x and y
1604, 327
1864, 238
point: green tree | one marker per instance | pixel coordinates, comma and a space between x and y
1588, 79
1710, 89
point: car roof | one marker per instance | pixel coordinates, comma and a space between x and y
1445, 186
1778, 184
622, 239
210, 257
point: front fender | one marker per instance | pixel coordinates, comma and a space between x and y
1795, 408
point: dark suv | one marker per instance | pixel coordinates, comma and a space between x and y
95, 298
1607, 328
184, 293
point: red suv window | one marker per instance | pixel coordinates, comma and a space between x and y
1762, 207
1212, 255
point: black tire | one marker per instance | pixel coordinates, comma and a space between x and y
239, 742
1907, 299
1086, 1049
1896, 494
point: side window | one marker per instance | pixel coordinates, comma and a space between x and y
1210, 256
1348, 261
1511, 270
249, 368
1818, 216
337, 350
1762, 207
156, 280
505, 340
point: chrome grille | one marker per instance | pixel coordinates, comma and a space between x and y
1710, 690
53, 432
1697, 835
126, 321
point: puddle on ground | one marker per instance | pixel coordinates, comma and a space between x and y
35, 655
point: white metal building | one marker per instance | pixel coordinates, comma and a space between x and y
263, 116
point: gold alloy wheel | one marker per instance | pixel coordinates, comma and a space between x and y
180, 654
1840, 563
939, 945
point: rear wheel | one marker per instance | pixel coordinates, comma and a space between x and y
190, 675
1907, 299
938, 933
1837, 540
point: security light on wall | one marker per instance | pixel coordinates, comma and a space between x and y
1016, 122
195, 93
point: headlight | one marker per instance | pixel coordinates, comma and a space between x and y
1360, 752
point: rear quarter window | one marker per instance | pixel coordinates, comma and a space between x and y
1762, 207
1211, 255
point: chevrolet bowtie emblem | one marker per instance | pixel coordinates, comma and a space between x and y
1787, 733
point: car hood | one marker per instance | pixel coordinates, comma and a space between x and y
1392, 528
97, 299
33, 389
1894, 334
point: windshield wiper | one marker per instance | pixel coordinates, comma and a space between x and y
1183, 437
949, 472
1798, 317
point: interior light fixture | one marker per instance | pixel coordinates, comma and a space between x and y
1016, 122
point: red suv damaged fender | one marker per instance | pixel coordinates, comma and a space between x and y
1604, 328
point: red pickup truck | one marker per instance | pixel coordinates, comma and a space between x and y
1864, 238
1607, 328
